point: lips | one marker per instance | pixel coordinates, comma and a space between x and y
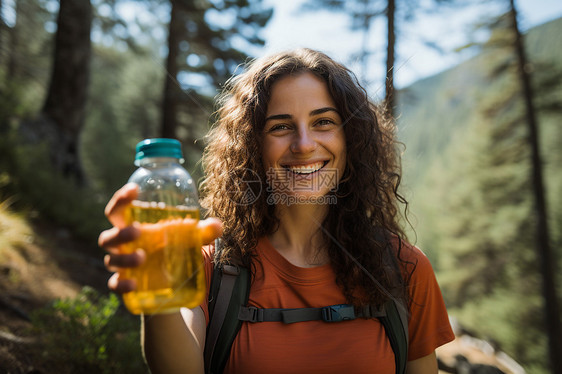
305, 169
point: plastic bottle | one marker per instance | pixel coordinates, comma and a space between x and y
167, 211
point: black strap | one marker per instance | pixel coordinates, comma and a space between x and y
332, 313
223, 311
395, 324
228, 279
392, 315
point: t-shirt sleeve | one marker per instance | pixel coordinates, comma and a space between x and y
208, 254
428, 325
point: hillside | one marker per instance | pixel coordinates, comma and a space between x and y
39, 263
433, 109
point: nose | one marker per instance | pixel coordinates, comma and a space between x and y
303, 142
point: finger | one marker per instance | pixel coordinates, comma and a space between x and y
116, 261
210, 228
115, 236
121, 199
121, 286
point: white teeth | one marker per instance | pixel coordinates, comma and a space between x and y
306, 169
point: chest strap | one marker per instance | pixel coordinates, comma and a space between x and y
331, 313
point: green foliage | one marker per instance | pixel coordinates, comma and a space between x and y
122, 110
24, 60
31, 179
88, 334
467, 146
489, 200
13, 101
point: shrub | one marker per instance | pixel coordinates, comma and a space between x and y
87, 334
31, 179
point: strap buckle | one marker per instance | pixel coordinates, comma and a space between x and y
250, 314
337, 313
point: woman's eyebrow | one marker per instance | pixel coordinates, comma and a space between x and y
316, 112
279, 116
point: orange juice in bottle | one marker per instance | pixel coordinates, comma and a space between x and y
167, 212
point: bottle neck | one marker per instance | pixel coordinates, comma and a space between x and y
151, 162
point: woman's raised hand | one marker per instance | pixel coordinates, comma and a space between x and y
112, 239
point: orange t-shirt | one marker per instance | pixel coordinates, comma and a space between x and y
357, 346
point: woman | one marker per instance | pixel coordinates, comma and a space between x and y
321, 228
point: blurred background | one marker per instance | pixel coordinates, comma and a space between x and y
476, 90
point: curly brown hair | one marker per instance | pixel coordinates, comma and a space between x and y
362, 230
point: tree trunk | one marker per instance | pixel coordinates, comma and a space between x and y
391, 41
547, 260
365, 51
12, 43
64, 108
171, 88
3, 28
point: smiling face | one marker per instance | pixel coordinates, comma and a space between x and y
303, 140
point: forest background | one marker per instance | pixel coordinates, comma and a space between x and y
80, 86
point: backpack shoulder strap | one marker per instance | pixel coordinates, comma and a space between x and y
392, 315
395, 322
230, 287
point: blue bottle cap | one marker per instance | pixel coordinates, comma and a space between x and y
158, 147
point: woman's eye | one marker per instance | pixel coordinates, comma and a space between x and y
278, 127
325, 122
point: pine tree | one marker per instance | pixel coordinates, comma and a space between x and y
543, 244
202, 54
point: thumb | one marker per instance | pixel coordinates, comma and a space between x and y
115, 208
